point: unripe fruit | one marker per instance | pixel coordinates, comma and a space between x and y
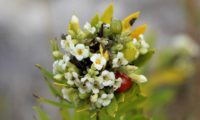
130, 52
116, 26
126, 82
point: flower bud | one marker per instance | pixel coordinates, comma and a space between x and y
74, 23
94, 98
58, 77
138, 78
57, 54
116, 26
70, 94
83, 95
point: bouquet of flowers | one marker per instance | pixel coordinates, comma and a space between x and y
97, 70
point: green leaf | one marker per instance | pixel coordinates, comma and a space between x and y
132, 104
120, 98
143, 58
53, 90
42, 115
49, 76
112, 108
83, 115
83, 107
65, 114
46, 73
95, 20
131, 98
57, 104
108, 14
54, 45
103, 115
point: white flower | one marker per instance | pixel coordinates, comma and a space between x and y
105, 99
87, 84
80, 52
108, 78
72, 78
117, 83
66, 59
95, 90
67, 44
60, 65
89, 28
98, 61
144, 45
119, 60
65, 94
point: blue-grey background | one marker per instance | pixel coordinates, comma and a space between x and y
26, 26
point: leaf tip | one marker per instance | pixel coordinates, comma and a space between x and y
38, 66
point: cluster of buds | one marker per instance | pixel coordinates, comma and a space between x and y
97, 62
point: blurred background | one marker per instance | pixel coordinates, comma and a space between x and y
26, 26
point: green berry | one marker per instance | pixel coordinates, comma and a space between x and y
116, 27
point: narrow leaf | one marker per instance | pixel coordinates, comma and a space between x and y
95, 20
144, 58
53, 90
112, 108
138, 31
46, 73
42, 115
53, 103
129, 21
65, 114
108, 14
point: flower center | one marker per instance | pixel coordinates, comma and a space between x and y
98, 61
80, 51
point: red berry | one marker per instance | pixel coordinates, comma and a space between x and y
126, 82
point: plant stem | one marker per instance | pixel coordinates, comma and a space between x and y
97, 116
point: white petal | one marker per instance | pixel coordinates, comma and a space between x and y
70, 82
68, 75
95, 90
89, 86
103, 96
112, 75
143, 79
85, 53
80, 46
134, 41
108, 83
81, 90
74, 19
105, 72
87, 26
66, 58
106, 102
69, 37
63, 43
79, 57
124, 62
103, 61
94, 98
75, 75
65, 94
120, 55
98, 66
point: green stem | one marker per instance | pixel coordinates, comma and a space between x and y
97, 116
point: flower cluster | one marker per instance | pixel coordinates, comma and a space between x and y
92, 56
